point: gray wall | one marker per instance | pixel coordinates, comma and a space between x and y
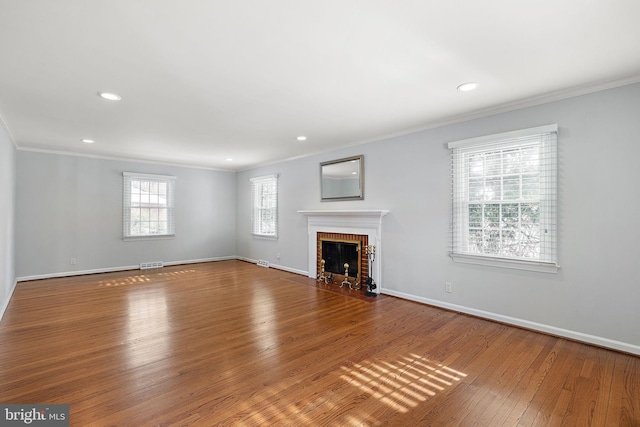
7, 206
71, 207
595, 295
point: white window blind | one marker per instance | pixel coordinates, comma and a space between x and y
504, 199
148, 205
264, 206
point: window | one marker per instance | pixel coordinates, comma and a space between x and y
148, 205
264, 206
504, 199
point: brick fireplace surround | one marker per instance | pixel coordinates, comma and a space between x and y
346, 222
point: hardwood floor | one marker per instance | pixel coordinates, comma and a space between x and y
230, 343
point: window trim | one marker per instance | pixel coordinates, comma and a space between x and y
126, 205
257, 181
516, 264
548, 219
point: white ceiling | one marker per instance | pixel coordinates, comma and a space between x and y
203, 80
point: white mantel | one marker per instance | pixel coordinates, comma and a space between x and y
367, 222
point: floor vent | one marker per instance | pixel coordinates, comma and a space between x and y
263, 263
154, 264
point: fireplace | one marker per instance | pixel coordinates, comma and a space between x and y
340, 248
349, 225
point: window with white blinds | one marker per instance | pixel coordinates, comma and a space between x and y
148, 205
264, 206
504, 197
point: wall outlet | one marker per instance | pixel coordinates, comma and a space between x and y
278, 256
447, 287
72, 261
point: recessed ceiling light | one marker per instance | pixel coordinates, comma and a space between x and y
301, 138
229, 159
110, 96
466, 87
88, 141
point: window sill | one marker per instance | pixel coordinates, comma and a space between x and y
264, 236
150, 237
542, 267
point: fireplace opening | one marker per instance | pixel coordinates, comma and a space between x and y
336, 254
339, 248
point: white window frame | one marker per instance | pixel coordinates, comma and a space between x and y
158, 204
543, 137
264, 204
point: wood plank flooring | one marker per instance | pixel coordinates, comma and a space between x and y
229, 343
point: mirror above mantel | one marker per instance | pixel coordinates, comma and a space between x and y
342, 179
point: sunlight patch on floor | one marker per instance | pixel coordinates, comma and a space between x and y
400, 383
129, 280
176, 272
142, 278
403, 383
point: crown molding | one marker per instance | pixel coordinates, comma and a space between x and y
121, 159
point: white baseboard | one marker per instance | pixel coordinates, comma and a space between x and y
5, 303
77, 273
290, 270
196, 261
548, 329
276, 266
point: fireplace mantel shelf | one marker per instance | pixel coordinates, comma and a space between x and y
352, 212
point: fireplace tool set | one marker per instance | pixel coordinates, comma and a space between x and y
371, 284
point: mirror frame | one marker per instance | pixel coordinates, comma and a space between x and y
359, 195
